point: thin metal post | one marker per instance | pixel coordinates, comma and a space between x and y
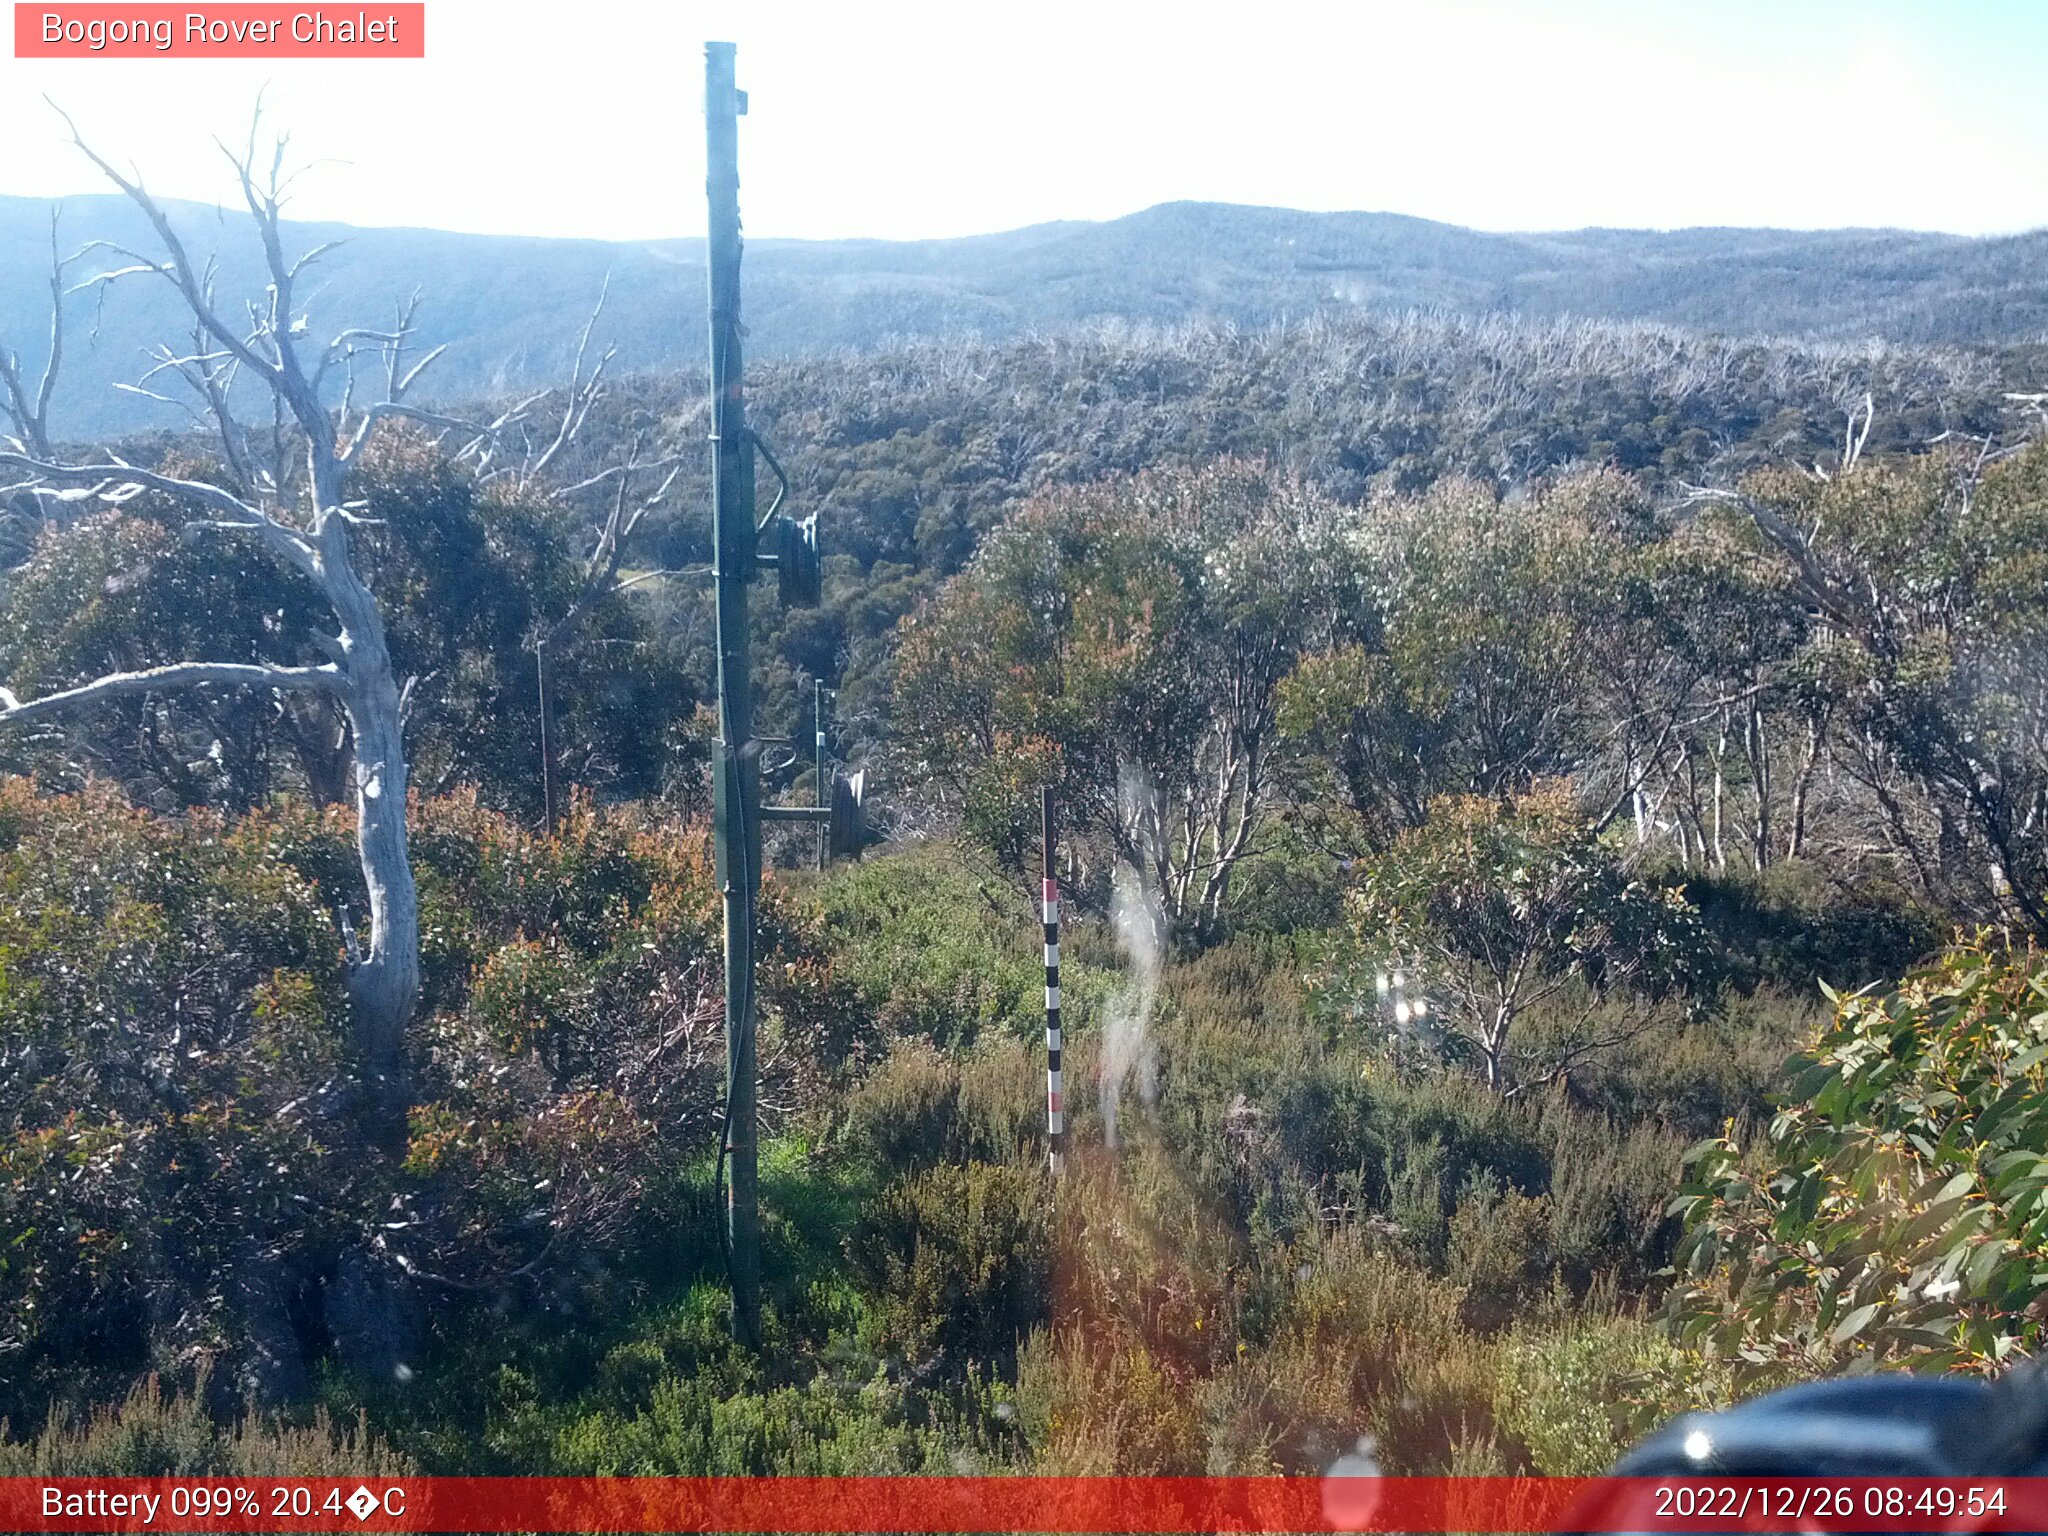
547, 745
1055, 1104
736, 786
820, 790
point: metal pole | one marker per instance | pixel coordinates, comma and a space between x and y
547, 746
1055, 1105
820, 790
736, 786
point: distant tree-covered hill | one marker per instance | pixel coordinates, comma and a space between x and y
911, 453
510, 308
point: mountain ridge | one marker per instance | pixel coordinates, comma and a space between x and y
510, 306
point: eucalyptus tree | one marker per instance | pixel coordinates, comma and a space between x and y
1478, 668
1125, 642
286, 488
1529, 943
1926, 580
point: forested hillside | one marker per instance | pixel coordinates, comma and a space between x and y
1548, 806
910, 454
509, 308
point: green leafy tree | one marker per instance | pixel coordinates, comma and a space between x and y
1931, 575
1504, 915
470, 574
1721, 704
1895, 1210
1125, 643
1479, 671
120, 592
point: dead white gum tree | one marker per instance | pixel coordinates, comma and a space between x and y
284, 484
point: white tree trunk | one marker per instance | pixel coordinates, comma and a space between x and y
384, 983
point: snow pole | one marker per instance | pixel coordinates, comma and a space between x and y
1055, 1107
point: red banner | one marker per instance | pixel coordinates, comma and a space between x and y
229, 31
995, 1504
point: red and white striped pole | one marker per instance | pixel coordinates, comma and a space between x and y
1055, 1107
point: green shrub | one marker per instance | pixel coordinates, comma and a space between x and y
1578, 1392
920, 1105
1535, 941
903, 1114
1419, 1381
1002, 1103
957, 1264
1088, 1411
1289, 1117
183, 1174
1291, 887
1609, 1183
1499, 1250
694, 1428
151, 1434
177, 1074
1793, 927
935, 951
1692, 1082
1897, 1209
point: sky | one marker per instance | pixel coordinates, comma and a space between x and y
902, 119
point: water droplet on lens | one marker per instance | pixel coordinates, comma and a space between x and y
1351, 1489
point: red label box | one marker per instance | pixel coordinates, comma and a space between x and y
376, 30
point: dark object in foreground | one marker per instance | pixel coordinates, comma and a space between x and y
1861, 1426
1898, 1429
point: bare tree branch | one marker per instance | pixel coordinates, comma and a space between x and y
115, 480
184, 674
29, 409
386, 410
601, 571
1815, 582
581, 395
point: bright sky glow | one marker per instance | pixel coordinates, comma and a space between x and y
905, 119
